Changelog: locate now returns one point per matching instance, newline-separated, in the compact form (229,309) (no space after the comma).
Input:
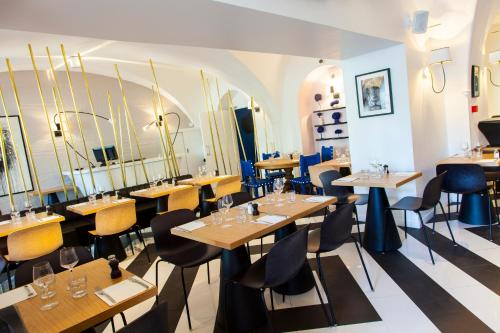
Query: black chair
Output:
(429,200)
(24,273)
(343,194)
(283,262)
(240,198)
(155,320)
(180,251)
(492,178)
(335,231)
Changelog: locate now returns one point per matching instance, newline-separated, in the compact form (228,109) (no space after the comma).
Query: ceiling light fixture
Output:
(420,21)
(494,60)
(439,56)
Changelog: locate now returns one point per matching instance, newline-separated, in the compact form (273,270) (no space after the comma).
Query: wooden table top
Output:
(86,208)
(486,160)
(317,169)
(6,227)
(159,191)
(76,315)
(202,181)
(51,190)
(277,163)
(231,234)
(392,180)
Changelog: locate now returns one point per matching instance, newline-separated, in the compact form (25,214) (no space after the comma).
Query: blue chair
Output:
(326,153)
(305,162)
(272,175)
(251,181)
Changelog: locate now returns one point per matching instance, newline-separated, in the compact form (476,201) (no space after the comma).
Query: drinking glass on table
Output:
(68,260)
(92,198)
(106,198)
(465,149)
(227,201)
(15,217)
(43,277)
(291,196)
(216,217)
(28,205)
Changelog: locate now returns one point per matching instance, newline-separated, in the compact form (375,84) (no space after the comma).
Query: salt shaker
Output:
(113,263)
(250,209)
(255,209)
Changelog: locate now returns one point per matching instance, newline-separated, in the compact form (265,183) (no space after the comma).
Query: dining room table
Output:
(285,164)
(381,233)
(159,193)
(334,164)
(105,298)
(236,228)
(8,226)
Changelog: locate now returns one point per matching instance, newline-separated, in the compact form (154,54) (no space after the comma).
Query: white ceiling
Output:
(199,23)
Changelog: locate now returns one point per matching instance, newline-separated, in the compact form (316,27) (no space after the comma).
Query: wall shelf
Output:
(331,109)
(335,138)
(331,124)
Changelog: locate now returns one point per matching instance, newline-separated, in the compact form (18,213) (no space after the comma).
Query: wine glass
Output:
(227,201)
(29,206)
(68,258)
(465,148)
(43,277)
(220,206)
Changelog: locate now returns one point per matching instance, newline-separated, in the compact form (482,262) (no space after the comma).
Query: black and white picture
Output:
(14,141)
(475,79)
(374,93)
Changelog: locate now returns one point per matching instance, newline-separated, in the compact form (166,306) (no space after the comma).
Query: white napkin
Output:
(123,290)
(79,204)
(46,218)
(143,190)
(121,200)
(404,173)
(318,199)
(270,219)
(188,227)
(346,179)
(17,295)
(486,160)
(5,222)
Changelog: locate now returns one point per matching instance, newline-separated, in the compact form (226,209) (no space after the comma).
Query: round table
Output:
(280,164)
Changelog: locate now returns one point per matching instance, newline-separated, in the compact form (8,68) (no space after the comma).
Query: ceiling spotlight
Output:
(419,22)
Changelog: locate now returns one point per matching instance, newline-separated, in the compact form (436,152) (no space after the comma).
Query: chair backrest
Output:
(240,198)
(161,225)
(186,176)
(306,161)
(266,156)
(184,199)
(247,171)
(326,153)
(336,227)
(24,273)
(155,320)
(432,191)
(341,192)
(286,258)
(492,173)
(227,186)
(462,178)
(114,220)
(34,242)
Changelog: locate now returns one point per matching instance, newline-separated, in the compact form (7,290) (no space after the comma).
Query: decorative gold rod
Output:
(44,107)
(63,131)
(265,129)
(14,145)
(255,136)
(237,125)
(233,135)
(78,120)
(97,127)
(216,128)
(121,141)
(130,144)
(132,126)
(70,134)
(115,135)
(209,120)
(224,132)
(164,114)
(25,132)
(6,168)
(166,159)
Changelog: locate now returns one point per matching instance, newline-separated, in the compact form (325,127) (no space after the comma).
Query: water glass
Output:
(216,217)
(44,277)
(291,196)
(106,198)
(78,286)
(92,198)
(15,217)
(31,215)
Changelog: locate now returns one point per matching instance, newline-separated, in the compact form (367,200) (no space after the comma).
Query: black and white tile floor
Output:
(458,294)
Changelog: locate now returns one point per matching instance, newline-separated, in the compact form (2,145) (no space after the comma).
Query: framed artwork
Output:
(374,93)
(474,80)
(17,140)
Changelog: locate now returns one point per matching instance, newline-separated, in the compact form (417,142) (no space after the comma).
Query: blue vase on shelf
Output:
(336,117)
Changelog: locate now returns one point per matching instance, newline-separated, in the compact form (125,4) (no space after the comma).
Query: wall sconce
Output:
(158,123)
(439,56)
(57,131)
(494,60)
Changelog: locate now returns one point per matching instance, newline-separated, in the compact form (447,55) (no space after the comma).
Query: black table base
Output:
(110,245)
(474,209)
(380,223)
(206,192)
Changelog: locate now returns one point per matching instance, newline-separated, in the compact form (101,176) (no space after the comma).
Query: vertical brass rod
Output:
(121,141)
(70,134)
(6,168)
(115,135)
(233,135)
(264,116)
(63,131)
(127,121)
(216,128)
(209,120)
(166,159)
(164,114)
(23,127)
(132,126)
(237,125)
(96,122)
(255,136)
(44,107)
(224,132)
(77,113)
(14,145)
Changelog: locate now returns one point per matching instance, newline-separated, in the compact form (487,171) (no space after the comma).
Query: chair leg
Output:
(449,206)
(124,320)
(208,272)
(323,306)
(156,279)
(458,202)
(185,297)
(406,228)
(272,298)
(426,238)
(323,282)
(447,224)
(357,224)
(139,235)
(489,217)
(113,325)
(9,280)
(434,221)
(267,311)
(261,246)
(363,263)
(130,242)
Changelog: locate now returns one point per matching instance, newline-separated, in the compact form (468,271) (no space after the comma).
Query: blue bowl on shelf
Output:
(336,117)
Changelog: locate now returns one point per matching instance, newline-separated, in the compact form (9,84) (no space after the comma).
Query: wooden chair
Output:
(185,199)
(224,187)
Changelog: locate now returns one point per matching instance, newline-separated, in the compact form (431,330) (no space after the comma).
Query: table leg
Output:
(111,245)
(380,223)
(474,209)
(206,192)
(245,311)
